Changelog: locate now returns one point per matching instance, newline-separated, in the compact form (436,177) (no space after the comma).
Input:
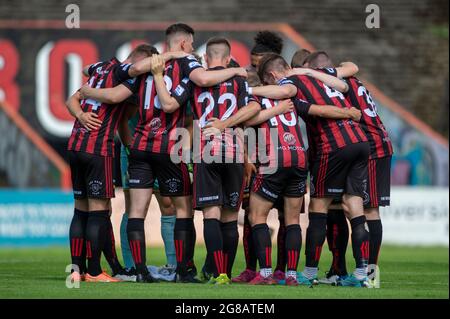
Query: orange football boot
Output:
(103,277)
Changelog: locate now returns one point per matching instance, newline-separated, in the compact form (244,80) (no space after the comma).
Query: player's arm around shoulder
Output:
(346,69)
(88,119)
(334,112)
(204,78)
(285,90)
(329,78)
(112,95)
(283,106)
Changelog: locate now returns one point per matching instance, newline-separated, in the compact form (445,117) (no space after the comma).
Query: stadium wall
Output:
(42,63)
(416,217)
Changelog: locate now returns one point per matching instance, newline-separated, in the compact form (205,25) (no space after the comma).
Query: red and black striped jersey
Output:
(287,144)
(156,130)
(327,135)
(105,74)
(359,97)
(220,101)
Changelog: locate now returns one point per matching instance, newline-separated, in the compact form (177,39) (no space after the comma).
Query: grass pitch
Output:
(406,272)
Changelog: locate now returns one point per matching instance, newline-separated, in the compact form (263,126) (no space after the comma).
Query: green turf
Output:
(405,273)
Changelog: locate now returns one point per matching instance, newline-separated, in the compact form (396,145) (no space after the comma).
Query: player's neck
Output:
(216,63)
(174,49)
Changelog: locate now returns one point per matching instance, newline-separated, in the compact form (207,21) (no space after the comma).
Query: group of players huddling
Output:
(183,140)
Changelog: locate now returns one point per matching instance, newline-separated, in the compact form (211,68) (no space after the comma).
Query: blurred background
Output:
(404,62)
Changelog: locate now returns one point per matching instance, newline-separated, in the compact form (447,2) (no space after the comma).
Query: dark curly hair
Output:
(267,42)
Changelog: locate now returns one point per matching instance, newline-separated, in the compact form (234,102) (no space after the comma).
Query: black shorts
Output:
(285,182)
(92,175)
(343,171)
(218,184)
(379,182)
(144,167)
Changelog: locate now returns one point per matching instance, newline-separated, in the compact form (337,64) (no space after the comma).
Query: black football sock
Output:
(281,244)
(360,243)
(136,240)
(191,247)
(77,236)
(182,238)
(375,238)
(209,264)
(214,244)
(293,247)
(249,247)
(337,238)
(315,237)
(263,247)
(230,237)
(109,250)
(95,239)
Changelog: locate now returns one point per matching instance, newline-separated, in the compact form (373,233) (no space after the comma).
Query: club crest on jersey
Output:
(155,124)
(95,187)
(289,138)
